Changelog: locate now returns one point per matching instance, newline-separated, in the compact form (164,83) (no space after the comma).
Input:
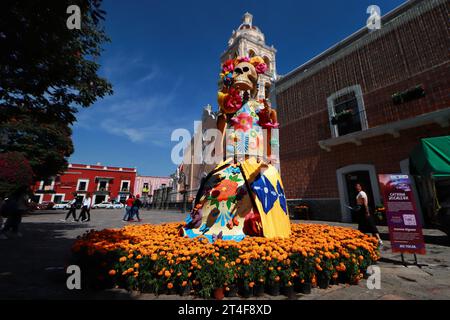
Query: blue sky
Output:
(163,62)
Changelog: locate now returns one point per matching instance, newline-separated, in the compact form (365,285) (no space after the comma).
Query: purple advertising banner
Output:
(405,230)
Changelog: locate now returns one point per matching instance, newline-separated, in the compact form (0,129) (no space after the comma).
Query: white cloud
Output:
(155,134)
(140,116)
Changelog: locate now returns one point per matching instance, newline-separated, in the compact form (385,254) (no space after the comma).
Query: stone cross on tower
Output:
(248,41)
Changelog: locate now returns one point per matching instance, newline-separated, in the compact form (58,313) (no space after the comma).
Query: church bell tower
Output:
(248,41)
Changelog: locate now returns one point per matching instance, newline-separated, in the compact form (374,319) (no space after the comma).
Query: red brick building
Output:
(359,108)
(104,183)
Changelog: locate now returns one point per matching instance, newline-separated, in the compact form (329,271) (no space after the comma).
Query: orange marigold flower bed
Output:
(153,258)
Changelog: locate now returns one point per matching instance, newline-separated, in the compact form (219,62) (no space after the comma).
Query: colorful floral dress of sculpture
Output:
(245,136)
(243,195)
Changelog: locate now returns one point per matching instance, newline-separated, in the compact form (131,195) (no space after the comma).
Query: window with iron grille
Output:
(347,112)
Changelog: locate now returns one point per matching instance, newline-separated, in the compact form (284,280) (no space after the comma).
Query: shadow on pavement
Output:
(33,266)
(439,240)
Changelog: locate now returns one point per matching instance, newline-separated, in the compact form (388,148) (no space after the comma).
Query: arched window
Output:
(267,61)
(251,53)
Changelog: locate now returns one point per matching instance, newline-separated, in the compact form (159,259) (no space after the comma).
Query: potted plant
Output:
(231,290)
(380,214)
(341,116)
(289,290)
(229,278)
(334,279)
(273,282)
(245,288)
(259,277)
(205,282)
(185,288)
(324,275)
(397,98)
(221,276)
(305,286)
(305,272)
(323,280)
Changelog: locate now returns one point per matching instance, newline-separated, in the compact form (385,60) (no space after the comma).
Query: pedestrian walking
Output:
(72,209)
(137,204)
(14,207)
(366,222)
(85,214)
(128,208)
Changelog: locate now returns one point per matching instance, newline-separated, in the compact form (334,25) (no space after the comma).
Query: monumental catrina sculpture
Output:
(243,195)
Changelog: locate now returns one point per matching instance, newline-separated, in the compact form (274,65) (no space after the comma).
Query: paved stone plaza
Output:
(32,267)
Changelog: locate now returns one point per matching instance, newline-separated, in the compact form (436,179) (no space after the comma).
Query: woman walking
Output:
(366,223)
(128,208)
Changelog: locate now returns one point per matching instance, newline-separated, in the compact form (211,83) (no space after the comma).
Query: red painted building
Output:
(104,183)
(361,107)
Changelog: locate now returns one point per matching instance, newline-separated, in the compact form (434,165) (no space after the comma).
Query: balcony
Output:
(45,189)
(103,191)
(440,118)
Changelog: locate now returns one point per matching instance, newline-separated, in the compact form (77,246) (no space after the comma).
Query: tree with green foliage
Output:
(46,72)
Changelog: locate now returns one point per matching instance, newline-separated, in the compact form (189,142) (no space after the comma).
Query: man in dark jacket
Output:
(137,204)
(13,208)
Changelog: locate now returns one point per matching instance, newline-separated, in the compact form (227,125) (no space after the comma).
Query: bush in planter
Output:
(245,278)
(259,272)
(231,290)
(305,266)
(288,290)
(212,275)
(273,278)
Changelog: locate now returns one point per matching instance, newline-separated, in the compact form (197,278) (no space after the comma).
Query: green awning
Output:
(432,158)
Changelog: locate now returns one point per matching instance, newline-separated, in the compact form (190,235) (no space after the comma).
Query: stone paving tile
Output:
(32,267)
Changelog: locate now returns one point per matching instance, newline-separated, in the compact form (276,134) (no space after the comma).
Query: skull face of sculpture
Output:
(245,77)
